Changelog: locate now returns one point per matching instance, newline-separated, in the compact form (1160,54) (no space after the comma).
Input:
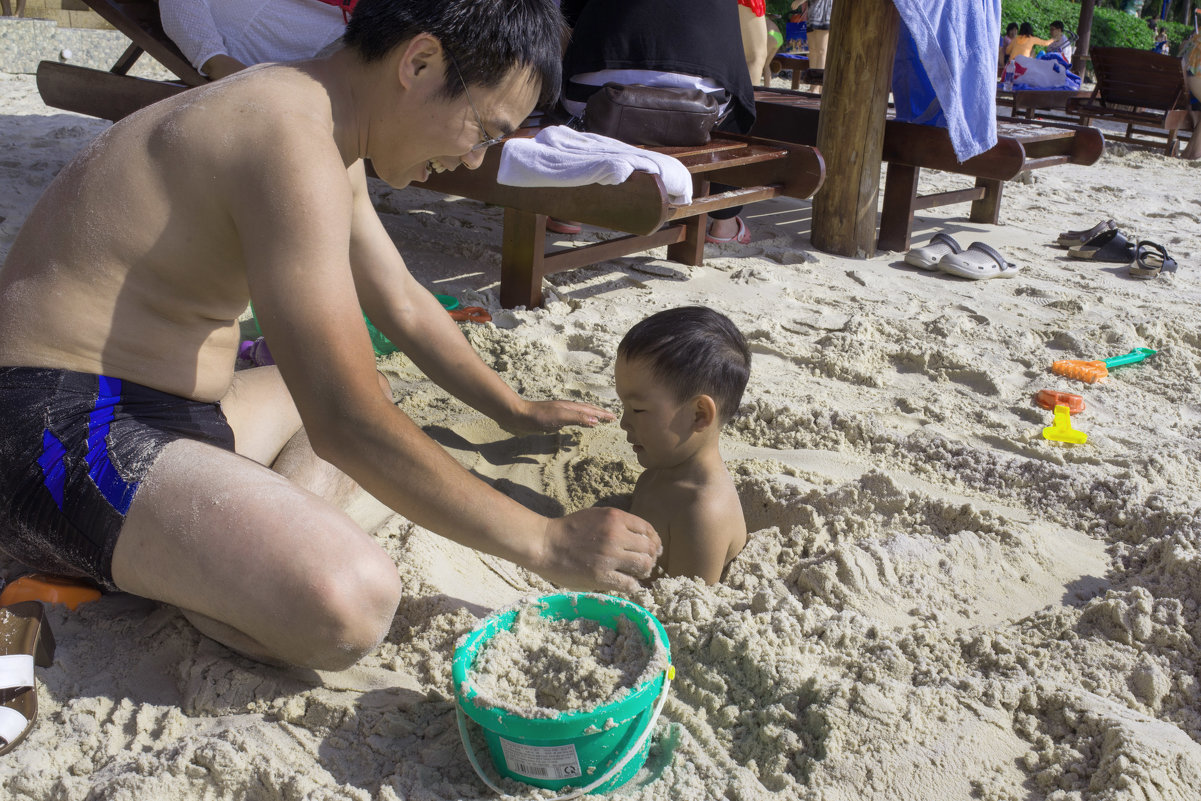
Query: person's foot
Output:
(729,230)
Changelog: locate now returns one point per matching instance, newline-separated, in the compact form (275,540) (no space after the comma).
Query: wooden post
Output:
(1084,30)
(850,135)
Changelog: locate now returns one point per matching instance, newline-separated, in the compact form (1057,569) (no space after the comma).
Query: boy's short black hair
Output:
(1056,25)
(695,351)
(1013,26)
(486,38)
(1026,30)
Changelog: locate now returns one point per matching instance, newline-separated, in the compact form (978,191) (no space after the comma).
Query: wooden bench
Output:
(799,66)
(1048,104)
(639,207)
(1142,89)
(114,94)
(908,148)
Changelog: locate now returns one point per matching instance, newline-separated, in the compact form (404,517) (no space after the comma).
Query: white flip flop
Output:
(979,261)
(928,256)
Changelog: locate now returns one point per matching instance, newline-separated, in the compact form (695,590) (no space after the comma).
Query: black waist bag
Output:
(652,115)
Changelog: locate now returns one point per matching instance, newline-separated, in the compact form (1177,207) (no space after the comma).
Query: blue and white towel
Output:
(945,72)
(561,156)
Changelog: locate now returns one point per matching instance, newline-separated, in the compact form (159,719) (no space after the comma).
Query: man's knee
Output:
(353,610)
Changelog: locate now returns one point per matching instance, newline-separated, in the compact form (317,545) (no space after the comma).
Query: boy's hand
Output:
(599,548)
(536,416)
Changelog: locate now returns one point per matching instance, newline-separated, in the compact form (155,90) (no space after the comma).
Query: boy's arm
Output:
(409,315)
(700,535)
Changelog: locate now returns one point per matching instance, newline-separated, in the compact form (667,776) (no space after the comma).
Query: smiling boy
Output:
(680,375)
(133,454)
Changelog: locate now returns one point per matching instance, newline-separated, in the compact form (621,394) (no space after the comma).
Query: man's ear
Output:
(422,57)
(704,412)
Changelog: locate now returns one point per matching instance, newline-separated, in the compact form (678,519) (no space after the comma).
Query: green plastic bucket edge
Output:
(610,741)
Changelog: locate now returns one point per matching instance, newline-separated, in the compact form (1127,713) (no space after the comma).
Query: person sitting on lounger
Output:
(1023,44)
(221,37)
(134,455)
(680,377)
(1061,42)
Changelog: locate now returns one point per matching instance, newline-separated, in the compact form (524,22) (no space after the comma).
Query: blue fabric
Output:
(1071,81)
(945,72)
(115,489)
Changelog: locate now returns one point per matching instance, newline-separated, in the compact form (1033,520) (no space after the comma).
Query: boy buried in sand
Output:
(680,376)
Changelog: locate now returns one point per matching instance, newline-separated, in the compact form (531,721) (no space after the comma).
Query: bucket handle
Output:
(609,774)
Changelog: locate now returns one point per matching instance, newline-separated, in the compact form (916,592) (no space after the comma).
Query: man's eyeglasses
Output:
(488,141)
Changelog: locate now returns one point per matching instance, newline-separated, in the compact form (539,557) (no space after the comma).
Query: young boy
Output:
(680,376)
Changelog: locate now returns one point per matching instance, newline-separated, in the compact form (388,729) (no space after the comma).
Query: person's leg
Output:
(1193,149)
(774,42)
(255,560)
(754,41)
(6,8)
(817,52)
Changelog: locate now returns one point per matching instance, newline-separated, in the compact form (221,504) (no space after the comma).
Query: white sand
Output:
(934,602)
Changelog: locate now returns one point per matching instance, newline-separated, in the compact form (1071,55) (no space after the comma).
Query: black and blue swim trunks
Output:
(74,447)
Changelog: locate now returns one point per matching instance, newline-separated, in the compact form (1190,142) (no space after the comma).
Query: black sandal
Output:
(1150,259)
(1110,246)
(1073,238)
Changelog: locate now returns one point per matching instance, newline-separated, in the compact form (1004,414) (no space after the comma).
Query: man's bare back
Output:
(137,262)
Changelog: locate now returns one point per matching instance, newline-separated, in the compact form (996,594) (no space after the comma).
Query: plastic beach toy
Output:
(1061,430)
(1049,399)
(582,751)
(47,588)
(1093,371)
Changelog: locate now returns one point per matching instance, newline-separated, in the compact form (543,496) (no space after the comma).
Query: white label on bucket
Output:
(541,762)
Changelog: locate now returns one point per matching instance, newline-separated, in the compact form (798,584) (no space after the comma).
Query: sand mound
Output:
(935,602)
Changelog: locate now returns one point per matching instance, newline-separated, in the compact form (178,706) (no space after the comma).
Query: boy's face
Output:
(657,424)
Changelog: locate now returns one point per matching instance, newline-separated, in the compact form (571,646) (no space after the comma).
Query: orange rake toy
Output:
(1093,371)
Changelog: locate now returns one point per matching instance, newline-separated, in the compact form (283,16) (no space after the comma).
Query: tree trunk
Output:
(850,134)
(1084,30)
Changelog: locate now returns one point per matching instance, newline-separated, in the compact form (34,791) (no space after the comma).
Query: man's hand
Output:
(539,416)
(599,548)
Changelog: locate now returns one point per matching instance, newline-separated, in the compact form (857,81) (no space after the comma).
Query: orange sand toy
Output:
(49,589)
(1089,372)
(1049,399)
(1094,371)
(1061,430)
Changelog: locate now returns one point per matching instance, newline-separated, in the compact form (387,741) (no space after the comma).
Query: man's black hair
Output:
(486,38)
(694,351)
(1013,26)
(1026,30)
(1056,24)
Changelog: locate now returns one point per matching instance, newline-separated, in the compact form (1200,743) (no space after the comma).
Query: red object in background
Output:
(1049,399)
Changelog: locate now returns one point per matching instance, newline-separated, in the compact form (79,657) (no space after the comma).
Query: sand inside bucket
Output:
(542,667)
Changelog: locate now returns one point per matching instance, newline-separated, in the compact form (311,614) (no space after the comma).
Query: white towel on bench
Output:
(560,156)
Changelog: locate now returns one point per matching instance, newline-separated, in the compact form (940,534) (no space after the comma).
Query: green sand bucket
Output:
(586,751)
(383,346)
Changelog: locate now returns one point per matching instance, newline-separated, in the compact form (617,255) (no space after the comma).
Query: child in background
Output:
(680,375)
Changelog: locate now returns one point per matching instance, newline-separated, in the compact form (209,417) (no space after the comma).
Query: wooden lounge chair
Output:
(908,148)
(113,94)
(1143,89)
(639,207)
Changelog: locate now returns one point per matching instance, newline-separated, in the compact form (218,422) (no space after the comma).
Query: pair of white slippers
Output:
(977,261)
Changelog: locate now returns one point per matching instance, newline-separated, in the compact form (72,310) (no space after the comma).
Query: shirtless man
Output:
(134,454)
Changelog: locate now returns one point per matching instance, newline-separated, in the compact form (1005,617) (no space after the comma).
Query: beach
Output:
(935,602)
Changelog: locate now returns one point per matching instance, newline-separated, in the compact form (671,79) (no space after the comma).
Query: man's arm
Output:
(289,197)
(409,315)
